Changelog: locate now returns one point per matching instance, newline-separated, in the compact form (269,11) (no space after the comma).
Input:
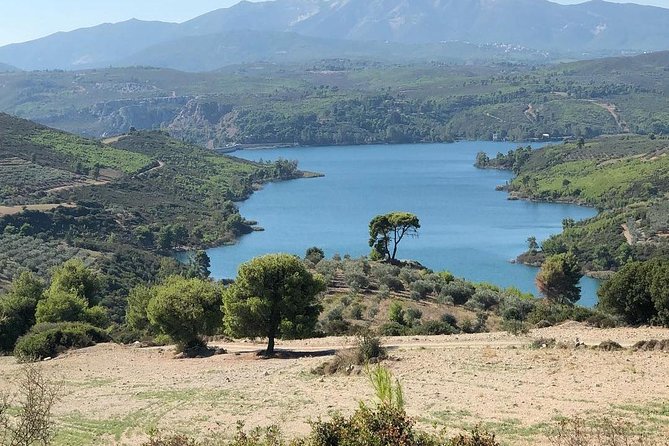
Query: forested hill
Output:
(122,205)
(626,177)
(345,102)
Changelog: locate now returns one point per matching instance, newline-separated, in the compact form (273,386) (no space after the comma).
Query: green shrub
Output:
(47,340)
(458,290)
(393,329)
(396,313)
(449,319)
(356,311)
(515,327)
(478,325)
(484,299)
(422,288)
(413,315)
(433,328)
(314,255)
(369,347)
(516,308)
(476,438)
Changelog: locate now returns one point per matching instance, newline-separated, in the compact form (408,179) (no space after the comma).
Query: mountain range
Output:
(296,30)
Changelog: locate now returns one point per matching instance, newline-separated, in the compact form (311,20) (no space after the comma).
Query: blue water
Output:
(468,228)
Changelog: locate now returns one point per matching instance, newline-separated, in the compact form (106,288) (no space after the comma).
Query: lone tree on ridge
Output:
(387,231)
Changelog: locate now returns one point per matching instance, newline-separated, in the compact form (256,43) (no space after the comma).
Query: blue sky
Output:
(22,20)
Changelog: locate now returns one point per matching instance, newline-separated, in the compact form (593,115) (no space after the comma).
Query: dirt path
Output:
(113,139)
(77,185)
(613,110)
(153,169)
(628,235)
(493,117)
(531,113)
(12,210)
(112,394)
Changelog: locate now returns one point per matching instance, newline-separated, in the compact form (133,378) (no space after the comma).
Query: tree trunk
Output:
(270,346)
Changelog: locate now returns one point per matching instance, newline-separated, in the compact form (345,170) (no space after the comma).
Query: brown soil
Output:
(113,394)
(12,210)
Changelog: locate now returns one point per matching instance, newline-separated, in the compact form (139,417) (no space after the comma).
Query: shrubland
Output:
(123,208)
(351,102)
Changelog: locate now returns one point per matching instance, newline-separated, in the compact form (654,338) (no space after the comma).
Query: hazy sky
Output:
(22,20)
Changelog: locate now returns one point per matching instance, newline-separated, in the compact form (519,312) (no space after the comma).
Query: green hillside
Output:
(348,102)
(626,177)
(123,206)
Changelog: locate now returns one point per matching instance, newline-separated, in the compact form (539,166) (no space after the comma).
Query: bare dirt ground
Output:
(115,394)
(11,210)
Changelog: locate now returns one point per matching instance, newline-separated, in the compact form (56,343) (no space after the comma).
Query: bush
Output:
(396,313)
(387,275)
(17,309)
(515,327)
(47,340)
(484,299)
(550,312)
(478,325)
(458,290)
(422,288)
(516,308)
(138,301)
(393,329)
(314,255)
(433,328)
(369,347)
(638,293)
(356,274)
(32,422)
(356,311)
(449,319)
(335,327)
(413,315)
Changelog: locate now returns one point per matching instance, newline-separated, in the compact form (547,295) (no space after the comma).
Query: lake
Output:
(468,228)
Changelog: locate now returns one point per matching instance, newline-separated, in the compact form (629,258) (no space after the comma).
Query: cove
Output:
(468,228)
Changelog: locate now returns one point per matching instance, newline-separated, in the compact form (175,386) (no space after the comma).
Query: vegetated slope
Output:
(214,51)
(627,177)
(4,68)
(125,205)
(345,102)
(36,160)
(99,46)
(589,28)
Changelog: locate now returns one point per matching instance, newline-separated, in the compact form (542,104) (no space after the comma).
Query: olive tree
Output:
(186,310)
(387,231)
(273,296)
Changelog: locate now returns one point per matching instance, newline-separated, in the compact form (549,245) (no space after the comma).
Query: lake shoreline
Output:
(468,228)
(533,260)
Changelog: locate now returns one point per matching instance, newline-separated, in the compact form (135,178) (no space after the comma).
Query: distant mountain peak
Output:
(593,27)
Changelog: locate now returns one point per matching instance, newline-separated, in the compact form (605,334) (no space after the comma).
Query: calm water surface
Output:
(468,228)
